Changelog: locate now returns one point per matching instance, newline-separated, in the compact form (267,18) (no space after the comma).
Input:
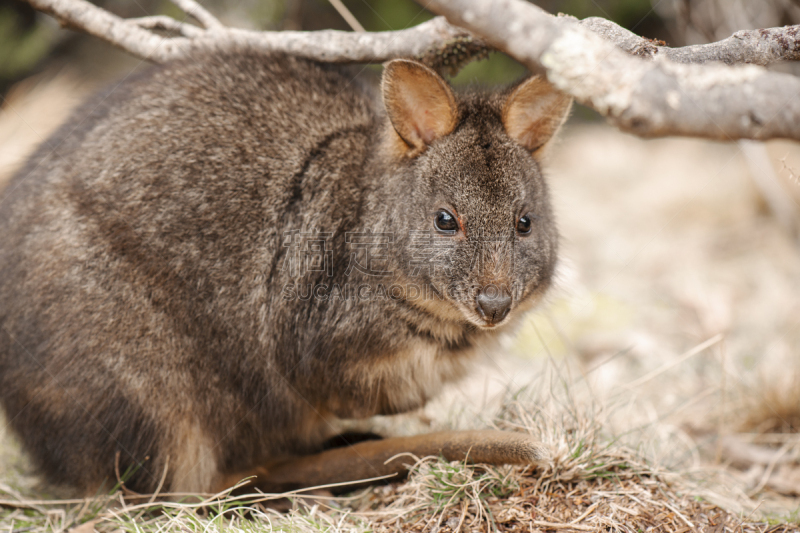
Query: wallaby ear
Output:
(420,104)
(534,112)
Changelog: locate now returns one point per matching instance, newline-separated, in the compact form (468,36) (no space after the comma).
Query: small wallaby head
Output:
(470,167)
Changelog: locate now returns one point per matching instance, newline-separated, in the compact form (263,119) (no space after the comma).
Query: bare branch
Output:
(348,47)
(757,47)
(82,15)
(760,47)
(648,98)
(327,45)
(199,13)
(661,92)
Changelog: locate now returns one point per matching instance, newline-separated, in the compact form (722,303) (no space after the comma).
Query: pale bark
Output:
(326,45)
(647,97)
(756,47)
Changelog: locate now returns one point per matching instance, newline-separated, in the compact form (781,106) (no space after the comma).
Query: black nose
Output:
(493,304)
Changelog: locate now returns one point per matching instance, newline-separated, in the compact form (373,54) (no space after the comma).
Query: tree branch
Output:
(760,47)
(648,98)
(757,47)
(639,85)
(127,35)
(199,13)
(327,45)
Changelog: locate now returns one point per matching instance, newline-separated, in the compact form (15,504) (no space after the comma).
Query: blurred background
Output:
(668,245)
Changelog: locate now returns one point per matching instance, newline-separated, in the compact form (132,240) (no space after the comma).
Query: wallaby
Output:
(210,263)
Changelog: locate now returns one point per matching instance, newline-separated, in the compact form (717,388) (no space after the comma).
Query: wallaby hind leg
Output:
(349,438)
(370,459)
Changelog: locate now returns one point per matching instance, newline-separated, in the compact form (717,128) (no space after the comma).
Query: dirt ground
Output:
(676,319)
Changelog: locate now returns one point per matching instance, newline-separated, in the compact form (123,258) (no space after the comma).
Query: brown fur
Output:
(149,306)
(420,105)
(534,112)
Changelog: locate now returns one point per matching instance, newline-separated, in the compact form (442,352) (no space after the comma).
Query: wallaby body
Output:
(161,259)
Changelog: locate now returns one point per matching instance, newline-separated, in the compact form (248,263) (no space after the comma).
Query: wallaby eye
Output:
(524,225)
(445,222)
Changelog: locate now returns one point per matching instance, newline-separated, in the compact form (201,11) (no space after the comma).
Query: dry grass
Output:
(774,404)
(595,483)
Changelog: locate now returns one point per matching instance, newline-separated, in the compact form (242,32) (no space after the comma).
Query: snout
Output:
(493,304)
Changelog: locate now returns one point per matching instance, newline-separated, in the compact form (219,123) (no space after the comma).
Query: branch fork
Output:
(717,91)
